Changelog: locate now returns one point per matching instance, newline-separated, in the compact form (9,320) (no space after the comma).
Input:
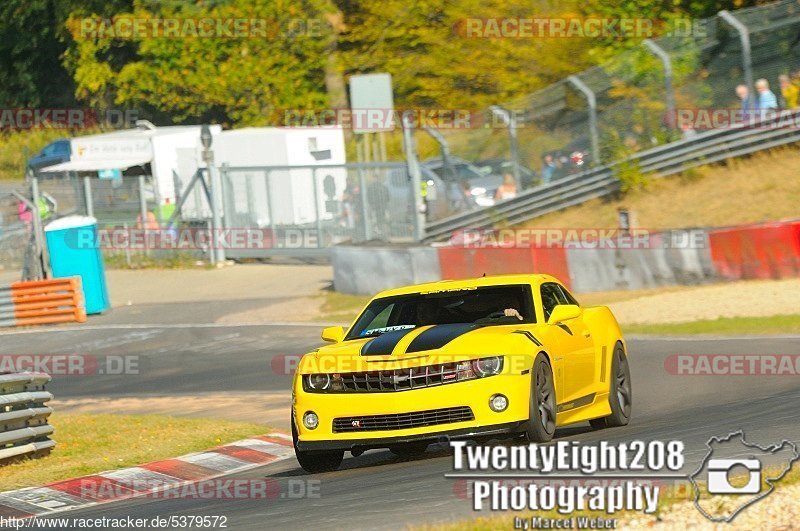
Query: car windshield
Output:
(493,305)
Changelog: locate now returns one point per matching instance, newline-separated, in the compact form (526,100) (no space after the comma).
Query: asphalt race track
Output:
(377,490)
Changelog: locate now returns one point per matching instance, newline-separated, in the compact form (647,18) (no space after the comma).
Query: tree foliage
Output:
(310,49)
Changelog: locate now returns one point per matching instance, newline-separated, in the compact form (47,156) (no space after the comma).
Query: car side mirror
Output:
(333,334)
(564,312)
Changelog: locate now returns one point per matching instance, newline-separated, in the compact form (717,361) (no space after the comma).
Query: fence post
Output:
(444,148)
(38,237)
(669,94)
(87,196)
(592,103)
(316,208)
(270,207)
(228,208)
(744,37)
(362,184)
(510,120)
(215,184)
(143,213)
(415,173)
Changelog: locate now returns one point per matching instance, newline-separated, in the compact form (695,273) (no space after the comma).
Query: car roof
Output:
(447,285)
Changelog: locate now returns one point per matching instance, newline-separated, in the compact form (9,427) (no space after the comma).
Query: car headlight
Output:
(488,366)
(318,382)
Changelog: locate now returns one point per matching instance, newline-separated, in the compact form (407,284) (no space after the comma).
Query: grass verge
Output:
(155,260)
(774,324)
(340,307)
(87,444)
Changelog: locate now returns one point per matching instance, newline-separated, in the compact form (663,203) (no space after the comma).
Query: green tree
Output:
(33,39)
(190,79)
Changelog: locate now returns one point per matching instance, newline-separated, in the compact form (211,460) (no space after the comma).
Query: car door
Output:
(575,348)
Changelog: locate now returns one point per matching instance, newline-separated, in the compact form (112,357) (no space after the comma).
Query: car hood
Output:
(428,344)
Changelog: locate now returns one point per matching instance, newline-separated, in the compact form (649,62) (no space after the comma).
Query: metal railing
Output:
(24,428)
(705,148)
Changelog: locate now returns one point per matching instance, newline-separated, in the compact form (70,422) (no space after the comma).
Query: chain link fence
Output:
(634,98)
(309,208)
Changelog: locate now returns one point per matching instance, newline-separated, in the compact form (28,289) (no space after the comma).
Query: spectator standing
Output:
(351,203)
(766,98)
(789,91)
(548,169)
(507,190)
(743,93)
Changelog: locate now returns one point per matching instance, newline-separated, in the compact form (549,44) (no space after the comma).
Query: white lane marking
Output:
(704,337)
(319,324)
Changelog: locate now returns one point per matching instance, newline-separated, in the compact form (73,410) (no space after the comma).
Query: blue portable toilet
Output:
(74,250)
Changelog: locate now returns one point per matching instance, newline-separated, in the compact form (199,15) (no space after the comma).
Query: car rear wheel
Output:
(541,423)
(316,461)
(620,396)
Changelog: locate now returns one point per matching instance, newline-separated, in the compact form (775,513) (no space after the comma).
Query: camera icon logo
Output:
(734,475)
(719,476)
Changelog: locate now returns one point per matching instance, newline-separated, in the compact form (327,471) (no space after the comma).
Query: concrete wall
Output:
(662,263)
(682,257)
(366,270)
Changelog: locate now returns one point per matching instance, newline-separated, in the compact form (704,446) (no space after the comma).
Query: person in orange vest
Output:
(152,222)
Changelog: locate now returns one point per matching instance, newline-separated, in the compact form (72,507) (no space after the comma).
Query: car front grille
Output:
(394,379)
(402,421)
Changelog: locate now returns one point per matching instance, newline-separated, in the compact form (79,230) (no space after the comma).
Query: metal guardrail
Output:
(705,148)
(23,415)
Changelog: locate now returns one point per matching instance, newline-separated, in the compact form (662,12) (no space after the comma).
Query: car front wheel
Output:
(541,423)
(316,461)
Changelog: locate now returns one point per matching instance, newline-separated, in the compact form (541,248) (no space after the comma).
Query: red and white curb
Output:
(151,478)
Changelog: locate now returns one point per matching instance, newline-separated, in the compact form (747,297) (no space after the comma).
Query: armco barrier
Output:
(58,300)
(769,250)
(366,270)
(24,430)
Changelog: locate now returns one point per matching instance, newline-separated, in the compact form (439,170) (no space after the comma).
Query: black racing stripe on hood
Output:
(384,344)
(438,336)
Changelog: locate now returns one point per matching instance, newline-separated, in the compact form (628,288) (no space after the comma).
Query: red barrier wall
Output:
(770,250)
(464,262)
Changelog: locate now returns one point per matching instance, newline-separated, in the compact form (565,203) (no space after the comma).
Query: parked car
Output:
(482,185)
(503,166)
(53,153)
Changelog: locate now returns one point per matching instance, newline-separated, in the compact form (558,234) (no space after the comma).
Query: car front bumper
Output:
(485,432)
(474,394)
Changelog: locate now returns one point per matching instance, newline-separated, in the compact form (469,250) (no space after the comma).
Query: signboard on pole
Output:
(372,103)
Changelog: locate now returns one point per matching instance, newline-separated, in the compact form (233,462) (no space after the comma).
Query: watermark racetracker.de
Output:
(732,364)
(71,364)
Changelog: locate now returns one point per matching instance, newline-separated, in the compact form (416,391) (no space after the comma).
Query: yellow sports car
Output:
(492,357)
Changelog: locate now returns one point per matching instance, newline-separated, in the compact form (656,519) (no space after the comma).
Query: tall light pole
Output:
(215,187)
(510,119)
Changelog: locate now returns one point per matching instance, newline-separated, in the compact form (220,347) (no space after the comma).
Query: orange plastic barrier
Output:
(58,300)
(769,250)
(465,262)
